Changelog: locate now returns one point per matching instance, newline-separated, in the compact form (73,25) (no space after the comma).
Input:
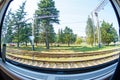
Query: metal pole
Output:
(94,28)
(4,53)
(33,35)
(98,29)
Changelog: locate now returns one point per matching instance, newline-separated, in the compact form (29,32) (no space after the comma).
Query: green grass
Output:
(65,48)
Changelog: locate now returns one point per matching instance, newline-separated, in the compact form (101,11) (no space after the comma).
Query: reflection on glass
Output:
(1,3)
(54,34)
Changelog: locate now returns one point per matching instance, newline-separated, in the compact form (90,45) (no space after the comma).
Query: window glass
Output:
(61,33)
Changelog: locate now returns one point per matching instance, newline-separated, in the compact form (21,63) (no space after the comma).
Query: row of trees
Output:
(66,36)
(17,30)
(108,33)
(44,28)
(14,28)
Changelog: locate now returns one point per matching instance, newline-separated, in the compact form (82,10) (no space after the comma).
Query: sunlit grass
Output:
(65,48)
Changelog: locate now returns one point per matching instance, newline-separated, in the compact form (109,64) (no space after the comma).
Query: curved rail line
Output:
(64,64)
(58,55)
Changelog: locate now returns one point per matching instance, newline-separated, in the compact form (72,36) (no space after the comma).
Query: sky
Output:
(73,13)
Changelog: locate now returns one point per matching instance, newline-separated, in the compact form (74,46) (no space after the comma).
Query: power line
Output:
(100,6)
(47,8)
(46,16)
(73,22)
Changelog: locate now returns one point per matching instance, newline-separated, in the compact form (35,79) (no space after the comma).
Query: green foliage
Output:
(78,40)
(51,35)
(7,30)
(73,38)
(60,37)
(90,40)
(25,32)
(115,36)
(17,30)
(47,8)
(108,33)
(69,37)
(64,49)
(90,31)
(37,31)
(19,24)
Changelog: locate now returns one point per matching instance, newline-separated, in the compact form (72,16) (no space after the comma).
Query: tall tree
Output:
(115,35)
(52,34)
(90,31)
(25,32)
(7,30)
(19,16)
(73,38)
(78,40)
(48,14)
(37,31)
(68,35)
(108,33)
(60,37)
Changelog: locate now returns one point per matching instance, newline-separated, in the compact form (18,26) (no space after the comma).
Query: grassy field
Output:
(14,53)
(65,48)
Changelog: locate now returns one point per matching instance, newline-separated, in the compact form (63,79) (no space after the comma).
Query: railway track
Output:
(77,60)
(59,55)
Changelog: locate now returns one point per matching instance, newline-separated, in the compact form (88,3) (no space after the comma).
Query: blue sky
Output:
(73,13)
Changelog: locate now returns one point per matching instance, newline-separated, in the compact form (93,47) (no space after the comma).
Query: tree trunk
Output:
(68,44)
(36,43)
(18,38)
(47,41)
(26,43)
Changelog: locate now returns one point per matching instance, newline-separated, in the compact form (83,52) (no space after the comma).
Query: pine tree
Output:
(19,16)
(47,8)
(90,31)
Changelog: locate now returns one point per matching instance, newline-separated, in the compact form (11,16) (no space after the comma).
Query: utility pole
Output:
(31,37)
(33,29)
(98,29)
(94,29)
(33,34)
(102,4)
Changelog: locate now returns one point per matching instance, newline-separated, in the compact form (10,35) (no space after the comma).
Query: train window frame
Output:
(116,7)
(11,0)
